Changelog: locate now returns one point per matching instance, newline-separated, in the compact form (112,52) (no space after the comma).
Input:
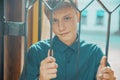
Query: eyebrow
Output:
(67,15)
(64,16)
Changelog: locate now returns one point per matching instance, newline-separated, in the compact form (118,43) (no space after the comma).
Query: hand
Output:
(48,68)
(105,73)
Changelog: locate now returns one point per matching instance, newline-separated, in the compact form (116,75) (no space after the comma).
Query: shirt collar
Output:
(74,46)
(59,45)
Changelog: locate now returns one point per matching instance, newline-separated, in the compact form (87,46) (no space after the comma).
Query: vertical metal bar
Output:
(108,28)
(1,40)
(103,5)
(27,6)
(26,28)
(25,33)
(119,22)
(40,20)
(108,36)
(1,58)
(79,32)
(51,40)
(51,20)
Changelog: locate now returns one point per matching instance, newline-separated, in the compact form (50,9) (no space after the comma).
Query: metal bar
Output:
(27,8)
(108,37)
(51,40)
(28,5)
(116,8)
(119,23)
(47,5)
(79,32)
(51,21)
(1,40)
(1,51)
(87,5)
(25,32)
(1,58)
(84,7)
(26,27)
(103,5)
(40,20)
(108,28)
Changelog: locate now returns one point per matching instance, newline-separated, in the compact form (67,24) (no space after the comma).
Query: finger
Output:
(100,76)
(52,65)
(107,76)
(51,76)
(50,53)
(106,73)
(52,71)
(107,70)
(48,60)
(103,62)
(104,76)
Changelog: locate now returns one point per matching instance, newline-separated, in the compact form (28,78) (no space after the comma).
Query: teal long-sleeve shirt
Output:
(71,64)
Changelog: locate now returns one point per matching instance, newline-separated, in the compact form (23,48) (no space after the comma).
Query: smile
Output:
(63,34)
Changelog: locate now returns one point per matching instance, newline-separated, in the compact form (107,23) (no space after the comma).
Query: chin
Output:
(64,39)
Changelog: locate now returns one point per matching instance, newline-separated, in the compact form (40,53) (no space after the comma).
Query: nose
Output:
(61,26)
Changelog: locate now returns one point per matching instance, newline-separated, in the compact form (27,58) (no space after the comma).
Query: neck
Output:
(71,41)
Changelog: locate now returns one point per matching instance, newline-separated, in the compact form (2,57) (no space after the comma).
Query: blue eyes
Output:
(65,19)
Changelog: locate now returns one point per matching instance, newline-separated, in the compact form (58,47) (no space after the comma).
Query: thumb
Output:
(102,62)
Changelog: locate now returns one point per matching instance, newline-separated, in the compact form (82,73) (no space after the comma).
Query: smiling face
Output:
(65,24)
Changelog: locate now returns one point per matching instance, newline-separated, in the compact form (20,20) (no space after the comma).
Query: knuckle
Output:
(55,70)
(55,75)
(55,65)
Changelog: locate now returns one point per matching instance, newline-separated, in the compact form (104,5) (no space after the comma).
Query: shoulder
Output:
(91,49)
(38,50)
(40,45)
(89,46)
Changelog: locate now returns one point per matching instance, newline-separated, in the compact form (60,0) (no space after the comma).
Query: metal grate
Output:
(106,4)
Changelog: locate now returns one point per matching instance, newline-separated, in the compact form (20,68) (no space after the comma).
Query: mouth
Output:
(64,34)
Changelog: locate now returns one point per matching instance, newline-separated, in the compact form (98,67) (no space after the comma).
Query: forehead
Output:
(64,11)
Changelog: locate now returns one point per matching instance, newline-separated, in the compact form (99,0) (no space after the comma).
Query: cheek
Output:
(73,25)
(55,29)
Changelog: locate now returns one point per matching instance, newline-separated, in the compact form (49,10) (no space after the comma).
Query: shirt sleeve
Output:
(31,65)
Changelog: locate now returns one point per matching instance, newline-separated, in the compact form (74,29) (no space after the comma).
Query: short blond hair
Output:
(58,5)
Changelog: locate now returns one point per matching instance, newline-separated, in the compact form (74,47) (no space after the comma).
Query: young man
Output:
(66,63)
